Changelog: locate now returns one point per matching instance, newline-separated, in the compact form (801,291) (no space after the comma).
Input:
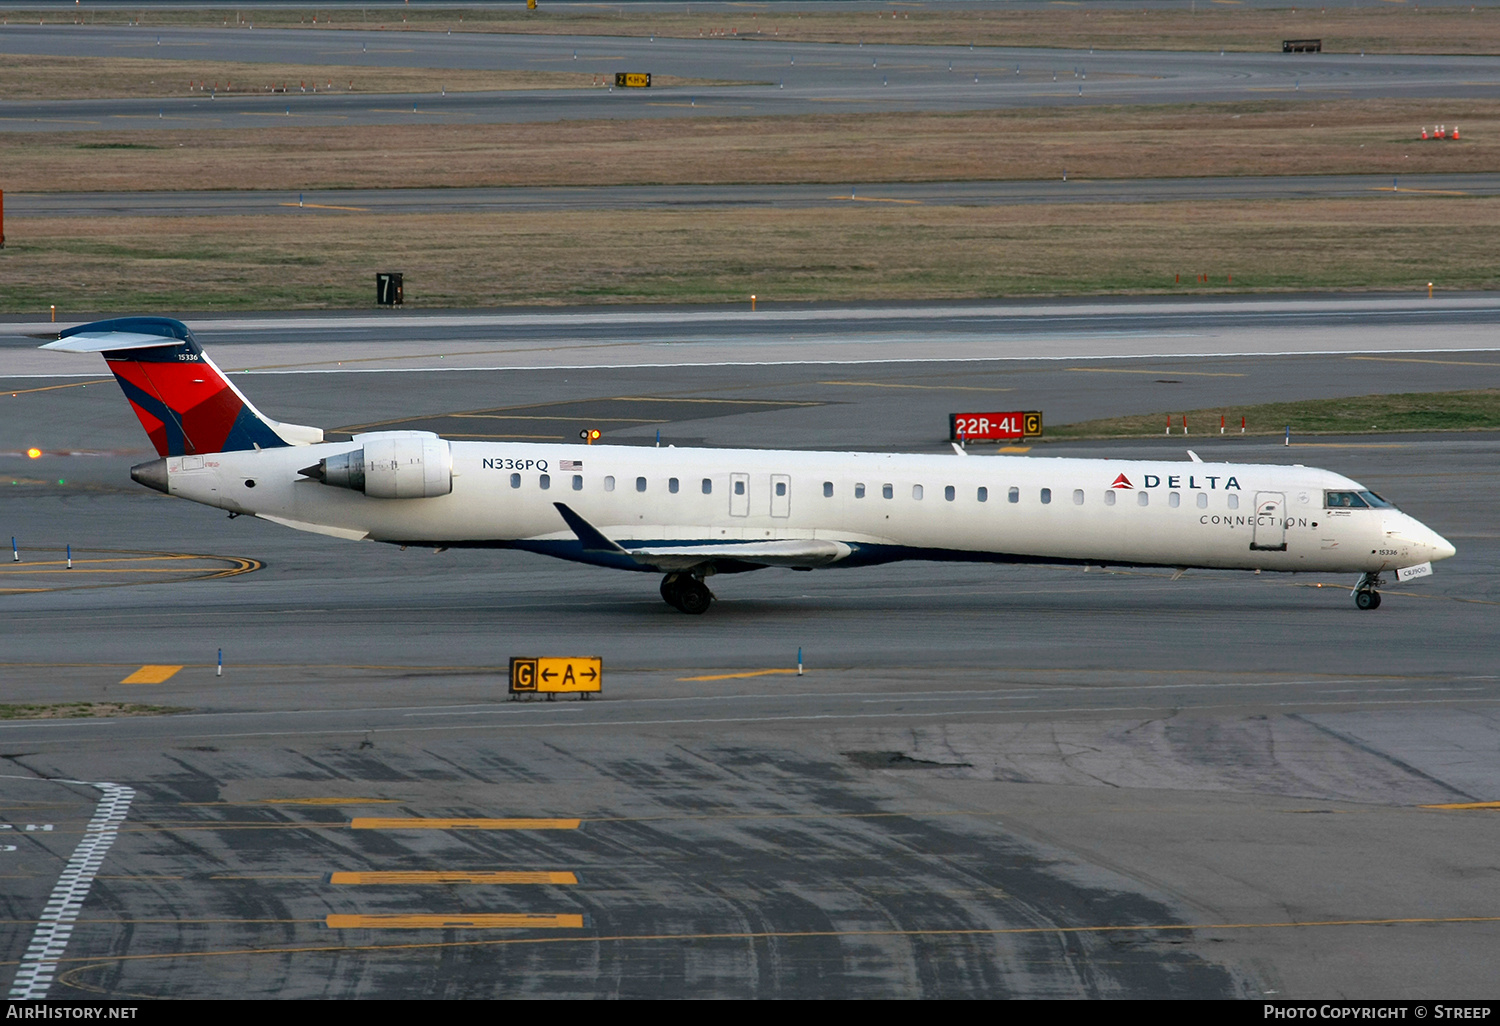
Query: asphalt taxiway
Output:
(989,781)
(762,77)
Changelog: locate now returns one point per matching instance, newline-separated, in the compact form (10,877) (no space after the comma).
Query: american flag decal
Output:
(570,464)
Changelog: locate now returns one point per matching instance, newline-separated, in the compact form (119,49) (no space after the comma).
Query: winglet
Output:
(593,539)
(1195,457)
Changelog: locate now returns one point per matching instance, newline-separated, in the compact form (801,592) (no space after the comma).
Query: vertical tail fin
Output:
(183,400)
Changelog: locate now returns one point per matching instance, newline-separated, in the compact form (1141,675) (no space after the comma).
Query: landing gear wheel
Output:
(669,588)
(1367,599)
(686,593)
(693,597)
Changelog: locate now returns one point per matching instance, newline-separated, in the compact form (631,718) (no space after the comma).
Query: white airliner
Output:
(690,514)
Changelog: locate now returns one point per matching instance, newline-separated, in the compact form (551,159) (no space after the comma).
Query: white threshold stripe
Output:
(39,963)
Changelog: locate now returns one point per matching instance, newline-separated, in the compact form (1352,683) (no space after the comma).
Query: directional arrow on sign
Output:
(548,674)
(591,674)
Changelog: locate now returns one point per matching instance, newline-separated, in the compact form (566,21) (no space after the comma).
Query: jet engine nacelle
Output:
(391,465)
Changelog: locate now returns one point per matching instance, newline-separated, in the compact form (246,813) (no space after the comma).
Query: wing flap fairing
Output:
(793,552)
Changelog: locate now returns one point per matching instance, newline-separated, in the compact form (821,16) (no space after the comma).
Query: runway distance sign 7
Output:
(555,675)
(994,427)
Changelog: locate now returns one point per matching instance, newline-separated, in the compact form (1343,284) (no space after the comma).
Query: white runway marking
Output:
(34,976)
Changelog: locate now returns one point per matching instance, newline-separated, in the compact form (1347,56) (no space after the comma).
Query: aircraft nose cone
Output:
(1442,548)
(152,475)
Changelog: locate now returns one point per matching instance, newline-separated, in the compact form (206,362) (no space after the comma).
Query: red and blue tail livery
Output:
(183,400)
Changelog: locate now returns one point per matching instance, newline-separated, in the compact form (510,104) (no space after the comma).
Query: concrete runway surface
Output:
(991,781)
(786,334)
(764,77)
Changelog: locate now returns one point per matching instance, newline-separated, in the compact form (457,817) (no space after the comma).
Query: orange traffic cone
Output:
(1455,131)
(1424,131)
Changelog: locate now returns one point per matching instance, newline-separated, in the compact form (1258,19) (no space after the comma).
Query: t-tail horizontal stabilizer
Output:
(185,403)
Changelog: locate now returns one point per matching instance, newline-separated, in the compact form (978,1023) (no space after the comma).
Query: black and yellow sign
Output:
(1031,424)
(632,80)
(552,675)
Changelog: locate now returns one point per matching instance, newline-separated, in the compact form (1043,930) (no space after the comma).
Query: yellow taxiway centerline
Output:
(1183,374)
(343,950)
(416,823)
(736,676)
(454,877)
(925,388)
(493,921)
(1400,359)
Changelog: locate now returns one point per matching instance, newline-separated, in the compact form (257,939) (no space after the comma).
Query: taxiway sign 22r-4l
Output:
(689,513)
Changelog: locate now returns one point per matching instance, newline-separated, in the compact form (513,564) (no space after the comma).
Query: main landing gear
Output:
(1365,595)
(686,593)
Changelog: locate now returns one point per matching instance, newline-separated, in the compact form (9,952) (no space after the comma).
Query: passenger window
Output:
(859,491)
(1078,496)
(1203,500)
(887,491)
(640,484)
(515,480)
(1046,496)
(984,495)
(827,489)
(916,491)
(672,485)
(780,488)
(739,488)
(609,483)
(1109,498)
(1142,498)
(708,486)
(1234,500)
(545,481)
(1346,500)
(578,482)
(1174,500)
(949,493)
(1014,495)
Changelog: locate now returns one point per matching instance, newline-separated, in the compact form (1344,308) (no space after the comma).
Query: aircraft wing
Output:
(783,552)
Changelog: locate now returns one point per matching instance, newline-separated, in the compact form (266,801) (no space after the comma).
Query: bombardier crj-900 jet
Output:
(690,514)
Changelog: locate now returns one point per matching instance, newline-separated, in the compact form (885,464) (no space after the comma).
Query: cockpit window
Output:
(1377,501)
(1346,500)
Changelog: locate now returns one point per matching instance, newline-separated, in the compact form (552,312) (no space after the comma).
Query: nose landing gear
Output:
(1365,595)
(686,593)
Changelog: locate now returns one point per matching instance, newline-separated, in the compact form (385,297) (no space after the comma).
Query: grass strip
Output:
(1373,29)
(84,710)
(1272,137)
(305,259)
(1477,410)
